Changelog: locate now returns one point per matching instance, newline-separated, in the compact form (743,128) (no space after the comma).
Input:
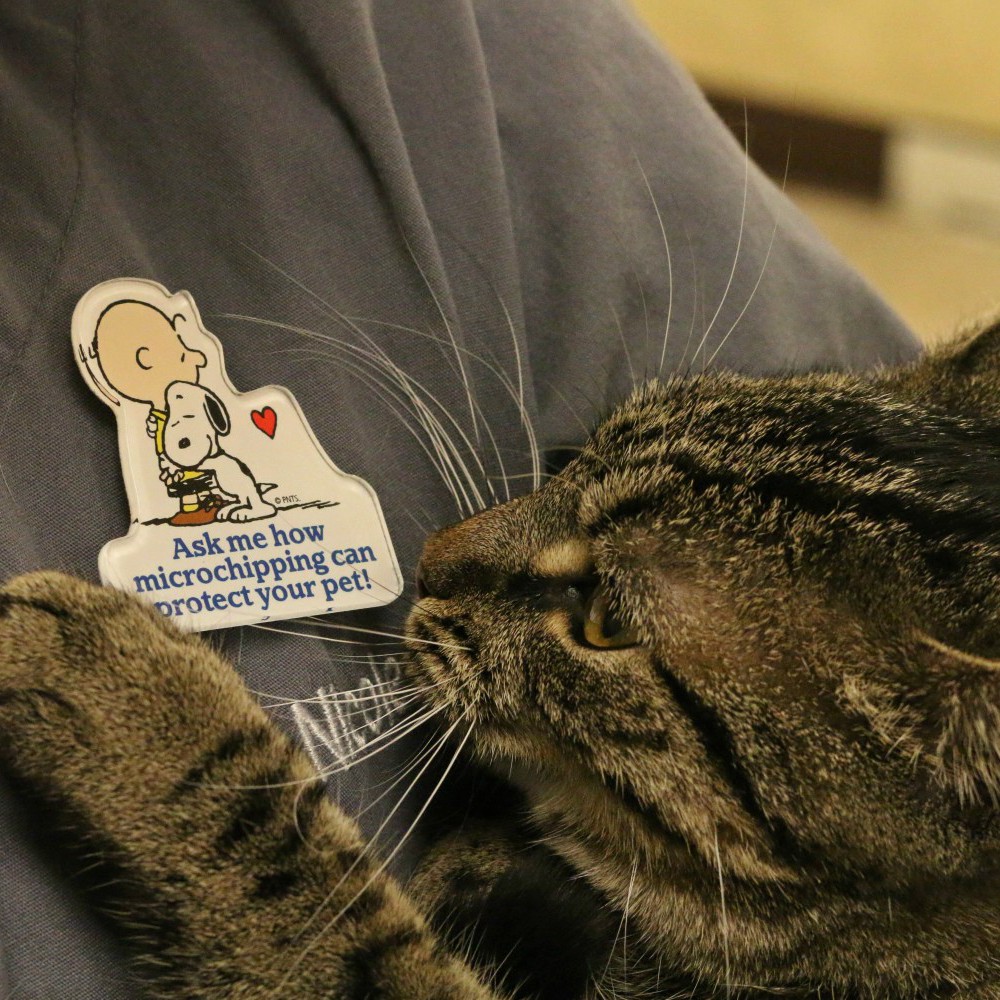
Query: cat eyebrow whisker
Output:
(447,327)
(529,428)
(670,267)
(516,394)
(621,337)
(555,390)
(387,391)
(739,241)
(426,527)
(750,297)
(697,300)
(521,475)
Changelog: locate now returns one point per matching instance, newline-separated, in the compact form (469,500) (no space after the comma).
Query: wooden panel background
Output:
(872,60)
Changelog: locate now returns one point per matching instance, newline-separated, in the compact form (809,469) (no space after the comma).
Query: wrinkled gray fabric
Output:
(499,172)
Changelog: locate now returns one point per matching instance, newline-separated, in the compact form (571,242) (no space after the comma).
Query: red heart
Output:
(265,420)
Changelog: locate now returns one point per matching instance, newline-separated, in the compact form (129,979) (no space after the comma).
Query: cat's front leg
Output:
(220,857)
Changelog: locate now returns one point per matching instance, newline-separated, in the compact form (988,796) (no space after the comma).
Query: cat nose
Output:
(460,559)
(434,580)
(443,578)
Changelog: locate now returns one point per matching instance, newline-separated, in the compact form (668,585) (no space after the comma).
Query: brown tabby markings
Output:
(788,783)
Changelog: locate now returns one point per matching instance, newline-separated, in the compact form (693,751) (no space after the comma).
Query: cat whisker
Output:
(432,711)
(438,744)
(399,639)
(398,731)
(621,934)
(724,919)
(388,860)
(402,638)
(382,742)
(329,623)
(392,706)
(374,658)
(404,772)
(319,638)
(346,695)
(355,734)
(625,913)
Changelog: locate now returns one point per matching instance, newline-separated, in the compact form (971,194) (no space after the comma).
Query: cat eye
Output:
(602,628)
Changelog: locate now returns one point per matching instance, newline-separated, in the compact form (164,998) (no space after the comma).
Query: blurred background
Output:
(885,115)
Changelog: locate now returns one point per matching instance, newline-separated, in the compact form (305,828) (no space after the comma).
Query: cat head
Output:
(742,656)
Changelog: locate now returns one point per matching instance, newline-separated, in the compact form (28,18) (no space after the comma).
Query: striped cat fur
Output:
(729,684)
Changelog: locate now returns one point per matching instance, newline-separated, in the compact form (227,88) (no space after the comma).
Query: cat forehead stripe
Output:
(571,557)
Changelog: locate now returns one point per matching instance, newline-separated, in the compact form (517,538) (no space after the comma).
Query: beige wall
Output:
(881,60)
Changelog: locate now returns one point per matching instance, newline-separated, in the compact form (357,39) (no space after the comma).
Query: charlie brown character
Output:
(140,353)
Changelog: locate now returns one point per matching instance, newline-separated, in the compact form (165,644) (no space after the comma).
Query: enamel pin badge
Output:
(238,514)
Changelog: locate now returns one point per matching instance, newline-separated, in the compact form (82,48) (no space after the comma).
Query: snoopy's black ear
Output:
(217,412)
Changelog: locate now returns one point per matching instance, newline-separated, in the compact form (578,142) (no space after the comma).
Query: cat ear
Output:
(962,375)
(975,351)
(961,709)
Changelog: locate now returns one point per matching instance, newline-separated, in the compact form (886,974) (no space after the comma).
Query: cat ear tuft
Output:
(962,702)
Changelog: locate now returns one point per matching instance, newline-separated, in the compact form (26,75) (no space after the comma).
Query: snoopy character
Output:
(196,419)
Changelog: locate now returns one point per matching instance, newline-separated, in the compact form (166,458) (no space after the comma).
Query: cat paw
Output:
(95,687)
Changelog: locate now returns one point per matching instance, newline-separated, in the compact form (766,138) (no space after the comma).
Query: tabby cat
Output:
(737,660)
